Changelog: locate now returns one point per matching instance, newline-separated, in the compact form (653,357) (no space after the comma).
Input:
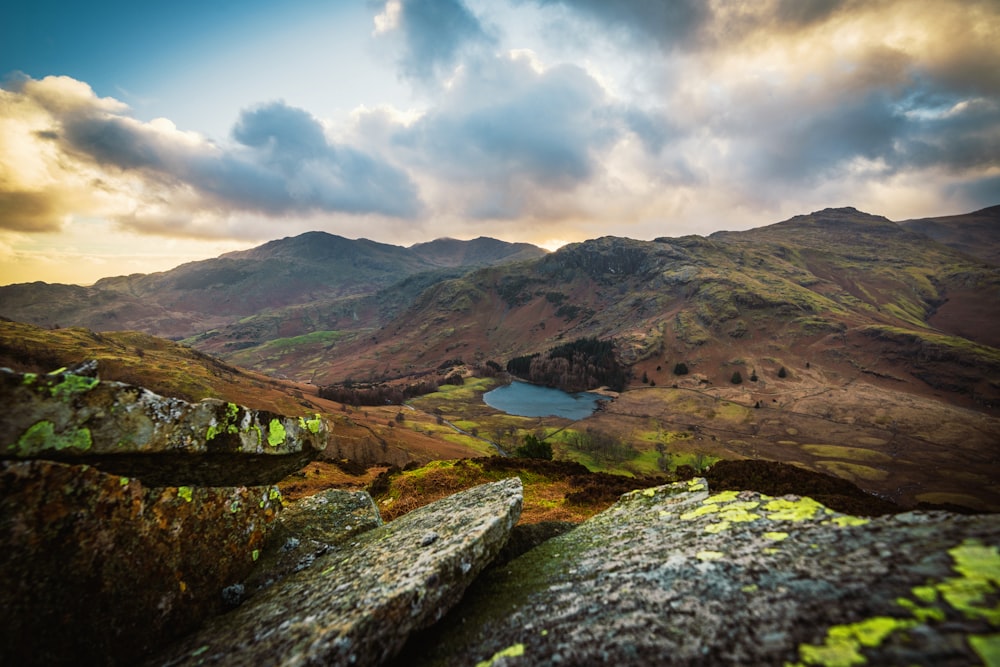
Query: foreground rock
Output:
(358,604)
(675,575)
(100,569)
(127,430)
(306,530)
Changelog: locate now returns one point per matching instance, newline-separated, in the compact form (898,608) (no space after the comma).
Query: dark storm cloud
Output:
(435,34)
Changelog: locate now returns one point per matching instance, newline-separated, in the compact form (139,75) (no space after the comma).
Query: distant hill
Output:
(314,268)
(855,289)
(976,234)
(481,251)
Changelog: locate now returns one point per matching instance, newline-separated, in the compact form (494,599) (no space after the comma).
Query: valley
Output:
(838,341)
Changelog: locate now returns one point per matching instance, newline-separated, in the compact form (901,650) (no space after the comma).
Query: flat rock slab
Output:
(308,529)
(358,604)
(128,430)
(676,576)
(99,569)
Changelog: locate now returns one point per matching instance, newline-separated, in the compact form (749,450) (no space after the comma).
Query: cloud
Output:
(67,152)
(668,24)
(434,33)
(507,134)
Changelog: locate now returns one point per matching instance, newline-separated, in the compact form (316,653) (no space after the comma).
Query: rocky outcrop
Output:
(676,575)
(357,604)
(124,516)
(127,430)
(100,569)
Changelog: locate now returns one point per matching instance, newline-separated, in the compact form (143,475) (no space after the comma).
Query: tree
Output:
(533,448)
(782,373)
(753,375)
(737,378)
(680,368)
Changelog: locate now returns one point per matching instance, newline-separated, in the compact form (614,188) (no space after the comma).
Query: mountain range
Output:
(875,344)
(325,308)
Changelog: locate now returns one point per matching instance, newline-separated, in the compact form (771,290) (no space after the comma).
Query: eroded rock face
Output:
(127,430)
(100,569)
(357,604)
(675,575)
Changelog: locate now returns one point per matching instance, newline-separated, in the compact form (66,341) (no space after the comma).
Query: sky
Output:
(135,136)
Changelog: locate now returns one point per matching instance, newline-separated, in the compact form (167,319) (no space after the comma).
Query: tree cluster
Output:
(583,364)
(379,394)
(533,448)
(602,446)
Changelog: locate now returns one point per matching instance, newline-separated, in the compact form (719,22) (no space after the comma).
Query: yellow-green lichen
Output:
(42,435)
(979,567)
(275,433)
(843,643)
(926,594)
(803,509)
(847,520)
(922,614)
(987,647)
(185,492)
(722,497)
(274,493)
(123,481)
(515,651)
(311,425)
(709,555)
(255,555)
(776,536)
(701,511)
(72,385)
(696,484)
(971,593)
(228,423)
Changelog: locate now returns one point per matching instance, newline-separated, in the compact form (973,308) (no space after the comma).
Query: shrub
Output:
(533,448)
(737,378)
(680,368)
(782,373)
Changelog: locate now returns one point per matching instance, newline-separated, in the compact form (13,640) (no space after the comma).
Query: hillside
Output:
(847,288)
(976,234)
(304,281)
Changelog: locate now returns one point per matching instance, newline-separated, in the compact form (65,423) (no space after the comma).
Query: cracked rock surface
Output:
(358,603)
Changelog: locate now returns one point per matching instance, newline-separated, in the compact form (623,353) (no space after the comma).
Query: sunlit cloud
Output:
(66,151)
(548,121)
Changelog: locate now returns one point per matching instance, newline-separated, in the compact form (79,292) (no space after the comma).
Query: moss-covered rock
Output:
(679,575)
(99,569)
(127,430)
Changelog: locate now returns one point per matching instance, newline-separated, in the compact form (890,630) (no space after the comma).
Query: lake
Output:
(531,400)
